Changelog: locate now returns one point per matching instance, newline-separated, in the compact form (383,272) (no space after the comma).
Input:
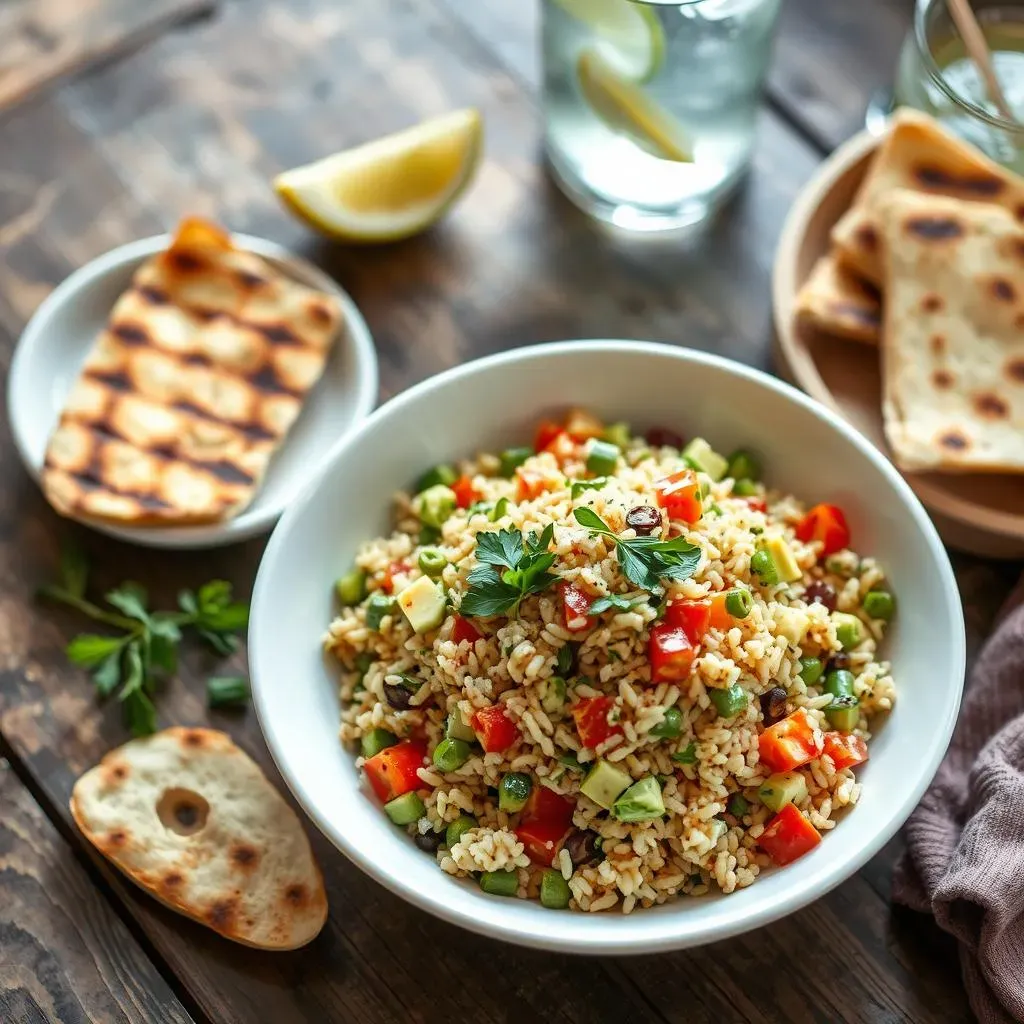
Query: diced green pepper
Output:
(405,809)
(377,740)
(729,701)
(554,890)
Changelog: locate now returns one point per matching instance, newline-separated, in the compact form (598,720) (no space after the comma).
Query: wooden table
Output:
(199,120)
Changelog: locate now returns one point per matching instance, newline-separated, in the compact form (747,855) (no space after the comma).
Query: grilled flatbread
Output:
(190,389)
(919,154)
(953,340)
(190,818)
(836,301)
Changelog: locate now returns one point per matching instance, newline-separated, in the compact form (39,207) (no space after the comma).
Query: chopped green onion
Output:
(602,457)
(879,604)
(670,727)
(730,701)
(512,458)
(225,691)
(739,603)
(351,588)
(432,562)
(500,883)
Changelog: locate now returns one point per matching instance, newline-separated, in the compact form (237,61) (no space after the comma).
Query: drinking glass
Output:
(650,106)
(936,75)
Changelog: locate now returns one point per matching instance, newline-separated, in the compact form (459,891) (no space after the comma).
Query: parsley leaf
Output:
(688,755)
(512,567)
(579,486)
(646,561)
(131,662)
(616,601)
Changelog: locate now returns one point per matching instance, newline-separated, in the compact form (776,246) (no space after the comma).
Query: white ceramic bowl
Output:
(496,402)
(60,334)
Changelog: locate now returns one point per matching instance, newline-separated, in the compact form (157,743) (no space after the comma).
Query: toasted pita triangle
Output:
(837,301)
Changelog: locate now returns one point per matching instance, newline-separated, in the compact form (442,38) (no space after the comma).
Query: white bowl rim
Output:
(259,517)
(602,938)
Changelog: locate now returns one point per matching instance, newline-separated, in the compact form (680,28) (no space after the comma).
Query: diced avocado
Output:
(405,809)
(603,784)
(782,555)
(793,624)
(617,434)
(351,588)
(456,729)
(435,505)
(552,694)
(442,474)
(423,604)
(782,788)
(641,802)
(849,629)
(705,458)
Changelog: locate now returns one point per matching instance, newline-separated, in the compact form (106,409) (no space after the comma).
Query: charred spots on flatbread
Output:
(193,738)
(1015,370)
(171,881)
(1018,211)
(932,303)
(244,856)
(943,379)
(320,314)
(937,343)
(182,810)
(979,184)
(115,773)
(116,380)
(933,229)
(1002,290)
(153,295)
(990,406)
(196,359)
(251,431)
(185,261)
(227,472)
(954,441)
(296,895)
(862,314)
(266,379)
(278,334)
(129,333)
(117,838)
(249,280)
(221,914)
(867,237)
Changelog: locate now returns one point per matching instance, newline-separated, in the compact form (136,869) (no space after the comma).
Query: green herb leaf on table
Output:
(511,568)
(646,561)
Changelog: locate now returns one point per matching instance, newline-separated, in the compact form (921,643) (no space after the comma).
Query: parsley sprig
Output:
(146,646)
(646,561)
(511,567)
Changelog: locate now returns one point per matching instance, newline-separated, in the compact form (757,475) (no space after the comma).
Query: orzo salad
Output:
(606,670)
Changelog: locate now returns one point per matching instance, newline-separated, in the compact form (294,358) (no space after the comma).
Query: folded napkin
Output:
(965,841)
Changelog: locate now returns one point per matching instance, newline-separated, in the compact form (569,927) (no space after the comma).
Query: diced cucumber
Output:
(705,458)
(457,829)
(512,458)
(641,802)
(602,457)
(377,740)
(456,729)
(604,783)
(405,809)
(844,712)
(434,505)
(782,788)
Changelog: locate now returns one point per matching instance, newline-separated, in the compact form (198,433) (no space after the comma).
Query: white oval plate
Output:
(58,338)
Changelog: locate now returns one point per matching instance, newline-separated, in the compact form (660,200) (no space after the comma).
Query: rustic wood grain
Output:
(45,40)
(65,956)
(201,121)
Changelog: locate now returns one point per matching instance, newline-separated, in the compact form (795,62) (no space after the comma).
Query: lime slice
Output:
(625,108)
(390,188)
(631,37)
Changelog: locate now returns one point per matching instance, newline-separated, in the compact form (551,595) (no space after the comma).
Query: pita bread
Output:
(190,818)
(953,348)
(919,154)
(193,385)
(838,302)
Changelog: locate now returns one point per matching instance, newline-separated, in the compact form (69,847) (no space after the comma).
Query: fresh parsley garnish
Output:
(646,561)
(688,755)
(579,486)
(511,567)
(146,647)
(616,601)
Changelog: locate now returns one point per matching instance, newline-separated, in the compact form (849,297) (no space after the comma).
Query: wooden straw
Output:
(974,39)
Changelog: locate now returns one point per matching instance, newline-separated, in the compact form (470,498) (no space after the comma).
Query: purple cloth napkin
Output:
(965,840)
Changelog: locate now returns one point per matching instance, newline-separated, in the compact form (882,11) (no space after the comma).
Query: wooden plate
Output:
(980,513)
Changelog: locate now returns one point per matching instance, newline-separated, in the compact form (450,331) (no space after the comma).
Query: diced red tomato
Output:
(693,617)
(563,447)
(387,584)
(547,431)
(845,749)
(581,425)
(720,617)
(494,729)
(544,824)
(591,716)
(530,484)
(464,630)
(393,771)
(465,492)
(576,606)
(788,835)
(790,743)
(826,524)
(679,494)
(757,504)
(670,652)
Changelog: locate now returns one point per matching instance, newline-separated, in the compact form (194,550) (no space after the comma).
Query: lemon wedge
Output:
(630,35)
(625,108)
(390,188)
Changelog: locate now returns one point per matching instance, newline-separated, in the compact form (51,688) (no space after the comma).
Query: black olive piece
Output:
(398,696)
(430,841)
(820,592)
(644,519)
(773,705)
(582,847)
